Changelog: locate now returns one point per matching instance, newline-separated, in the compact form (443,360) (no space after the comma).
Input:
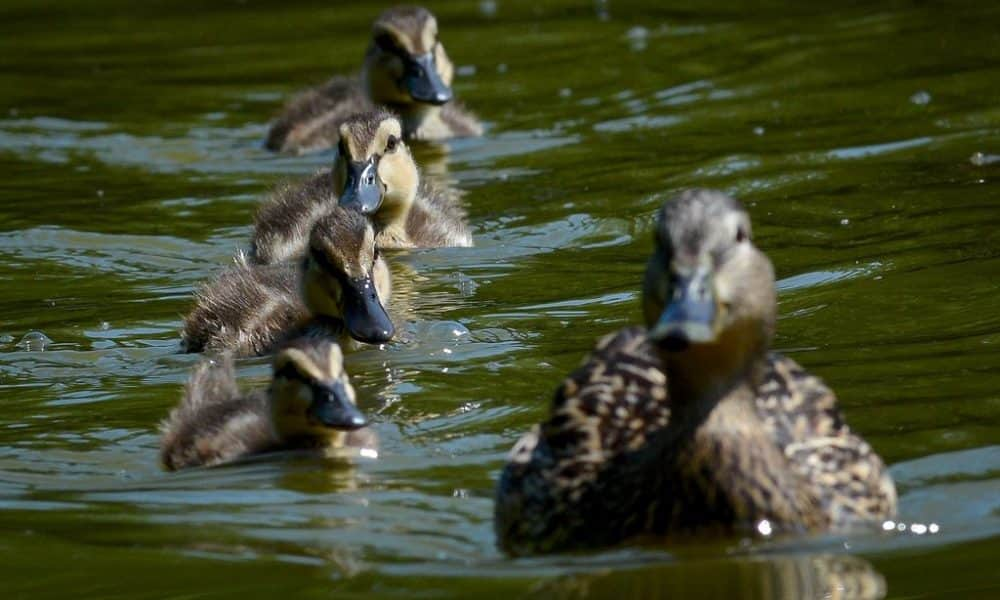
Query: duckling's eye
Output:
(391,143)
(741,234)
(376,254)
(386,42)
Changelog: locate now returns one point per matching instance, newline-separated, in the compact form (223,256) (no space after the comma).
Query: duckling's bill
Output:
(332,407)
(364,315)
(422,81)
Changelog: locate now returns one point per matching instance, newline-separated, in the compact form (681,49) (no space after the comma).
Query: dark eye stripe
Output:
(288,371)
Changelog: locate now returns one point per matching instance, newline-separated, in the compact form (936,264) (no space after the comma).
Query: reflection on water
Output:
(130,143)
(838,577)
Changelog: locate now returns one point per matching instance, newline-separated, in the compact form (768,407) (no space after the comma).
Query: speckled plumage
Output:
(568,484)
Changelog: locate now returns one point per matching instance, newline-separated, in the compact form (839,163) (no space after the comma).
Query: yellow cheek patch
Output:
(428,35)
(336,362)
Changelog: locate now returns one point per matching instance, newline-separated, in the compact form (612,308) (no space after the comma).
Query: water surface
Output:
(130,149)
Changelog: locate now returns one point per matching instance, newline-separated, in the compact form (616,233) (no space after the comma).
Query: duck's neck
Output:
(721,455)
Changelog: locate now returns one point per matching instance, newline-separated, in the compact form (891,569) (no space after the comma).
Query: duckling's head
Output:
(374,171)
(709,294)
(344,277)
(406,64)
(311,394)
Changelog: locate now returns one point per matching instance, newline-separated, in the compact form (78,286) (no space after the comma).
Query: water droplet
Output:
(764,527)
(918,528)
(845,221)
(34,341)
(933,528)
(921,98)
(502,68)
(565,93)
(888,526)
(637,38)
(488,8)
(758,130)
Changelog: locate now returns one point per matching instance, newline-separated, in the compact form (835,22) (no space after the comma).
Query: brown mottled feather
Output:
(582,479)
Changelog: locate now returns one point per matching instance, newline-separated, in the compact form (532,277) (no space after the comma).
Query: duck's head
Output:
(709,296)
(405,63)
(374,171)
(311,394)
(344,277)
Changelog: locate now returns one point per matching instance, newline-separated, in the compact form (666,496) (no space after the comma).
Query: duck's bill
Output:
(364,315)
(332,407)
(423,82)
(689,317)
(363,189)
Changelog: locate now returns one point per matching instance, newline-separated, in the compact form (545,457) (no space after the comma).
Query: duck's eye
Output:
(391,144)
(741,234)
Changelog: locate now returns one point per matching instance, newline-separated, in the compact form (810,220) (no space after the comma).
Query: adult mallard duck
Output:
(373,173)
(690,425)
(405,69)
(336,289)
(309,404)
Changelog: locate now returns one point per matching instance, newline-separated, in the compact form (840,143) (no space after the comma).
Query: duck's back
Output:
(802,415)
(437,219)
(582,478)
(311,120)
(560,488)
(247,309)
(284,220)
(215,423)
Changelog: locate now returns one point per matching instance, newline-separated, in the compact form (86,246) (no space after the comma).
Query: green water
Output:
(131,165)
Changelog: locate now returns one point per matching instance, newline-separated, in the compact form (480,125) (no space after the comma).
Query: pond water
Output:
(864,141)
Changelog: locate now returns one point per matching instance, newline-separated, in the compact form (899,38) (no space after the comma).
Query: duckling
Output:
(335,290)
(309,404)
(690,425)
(374,173)
(405,69)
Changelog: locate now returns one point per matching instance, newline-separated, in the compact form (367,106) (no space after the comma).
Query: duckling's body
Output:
(661,436)
(405,69)
(216,423)
(375,173)
(336,291)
